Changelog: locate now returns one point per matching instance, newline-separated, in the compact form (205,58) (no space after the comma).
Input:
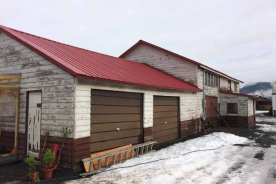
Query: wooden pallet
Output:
(130,152)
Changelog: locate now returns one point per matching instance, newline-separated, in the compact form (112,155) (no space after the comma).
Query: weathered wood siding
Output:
(228,98)
(250,107)
(188,103)
(165,62)
(57,86)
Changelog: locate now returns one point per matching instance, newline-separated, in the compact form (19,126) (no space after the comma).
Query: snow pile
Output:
(261,112)
(269,119)
(180,163)
(266,128)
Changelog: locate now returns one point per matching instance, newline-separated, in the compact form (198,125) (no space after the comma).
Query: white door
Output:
(34,120)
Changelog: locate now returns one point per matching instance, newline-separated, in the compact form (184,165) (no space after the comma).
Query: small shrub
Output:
(31,162)
(48,158)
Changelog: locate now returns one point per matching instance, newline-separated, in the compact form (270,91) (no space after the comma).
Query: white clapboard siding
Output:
(242,102)
(163,61)
(188,105)
(250,107)
(37,73)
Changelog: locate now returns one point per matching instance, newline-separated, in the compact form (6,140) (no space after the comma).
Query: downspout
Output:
(203,101)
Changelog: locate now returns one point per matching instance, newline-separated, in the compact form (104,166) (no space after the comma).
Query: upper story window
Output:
(211,79)
(229,85)
(236,87)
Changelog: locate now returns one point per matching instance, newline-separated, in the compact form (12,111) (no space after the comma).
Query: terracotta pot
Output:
(47,173)
(33,176)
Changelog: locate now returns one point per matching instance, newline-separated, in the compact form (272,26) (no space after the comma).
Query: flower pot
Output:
(33,176)
(47,173)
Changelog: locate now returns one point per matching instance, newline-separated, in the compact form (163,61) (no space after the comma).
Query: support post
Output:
(220,116)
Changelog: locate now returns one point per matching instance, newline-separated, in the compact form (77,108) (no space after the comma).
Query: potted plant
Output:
(48,158)
(33,173)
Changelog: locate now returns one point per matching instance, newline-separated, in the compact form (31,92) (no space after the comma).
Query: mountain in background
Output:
(263,89)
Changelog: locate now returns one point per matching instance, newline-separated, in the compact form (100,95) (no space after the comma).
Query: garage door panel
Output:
(167,138)
(108,118)
(165,114)
(163,120)
(111,110)
(158,102)
(104,136)
(162,127)
(116,94)
(105,145)
(106,127)
(165,132)
(165,108)
(102,109)
(113,101)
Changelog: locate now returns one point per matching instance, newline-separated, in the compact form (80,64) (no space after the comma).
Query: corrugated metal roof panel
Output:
(239,94)
(84,63)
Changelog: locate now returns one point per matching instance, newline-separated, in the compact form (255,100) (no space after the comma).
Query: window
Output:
(236,87)
(211,79)
(229,85)
(232,108)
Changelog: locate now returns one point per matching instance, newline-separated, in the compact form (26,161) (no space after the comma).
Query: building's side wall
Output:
(165,62)
(56,85)
(240,119)
(250,107)
(188,107)
(274,104)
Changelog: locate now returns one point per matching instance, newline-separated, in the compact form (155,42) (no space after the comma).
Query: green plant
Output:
(48,158)
(65,132)
(31,162)
(32,173)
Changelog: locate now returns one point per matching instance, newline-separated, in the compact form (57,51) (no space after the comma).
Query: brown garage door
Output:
(112,111)
(165,118)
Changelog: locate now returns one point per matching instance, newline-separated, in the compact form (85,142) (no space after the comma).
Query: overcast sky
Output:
(237,37)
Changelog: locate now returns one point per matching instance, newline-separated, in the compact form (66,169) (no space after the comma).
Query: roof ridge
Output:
(178,55)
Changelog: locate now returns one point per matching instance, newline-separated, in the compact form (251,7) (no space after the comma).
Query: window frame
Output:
(235,111)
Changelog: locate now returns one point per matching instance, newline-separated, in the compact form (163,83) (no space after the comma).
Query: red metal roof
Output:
(182,57)
(84,63)
(239,94)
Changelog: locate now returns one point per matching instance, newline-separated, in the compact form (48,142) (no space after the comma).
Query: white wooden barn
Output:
(105,101)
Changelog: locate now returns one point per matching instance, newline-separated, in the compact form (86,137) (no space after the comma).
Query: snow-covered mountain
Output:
(263,89)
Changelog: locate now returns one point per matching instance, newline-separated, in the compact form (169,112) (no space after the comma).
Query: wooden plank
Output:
(165,102)
(107,118)
(167,138)
(165,133)
(113,126)
(116,94)
(10,76)
(100,109)
(99,100)
(162,127)
(165,108)
(163,120)
(103,136)
(165,114)
(105,145)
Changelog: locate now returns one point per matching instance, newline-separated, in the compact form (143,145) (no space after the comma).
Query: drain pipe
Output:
(203,101)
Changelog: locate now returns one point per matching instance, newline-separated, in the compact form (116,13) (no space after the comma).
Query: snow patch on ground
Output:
(266,128)
(261,112)
(227,164)
(269,119)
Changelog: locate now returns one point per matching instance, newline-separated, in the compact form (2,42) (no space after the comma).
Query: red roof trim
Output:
(88,64)
(239,94)
(175,54)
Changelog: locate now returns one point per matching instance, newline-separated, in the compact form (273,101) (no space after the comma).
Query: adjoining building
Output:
(211,81)
(274,100)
